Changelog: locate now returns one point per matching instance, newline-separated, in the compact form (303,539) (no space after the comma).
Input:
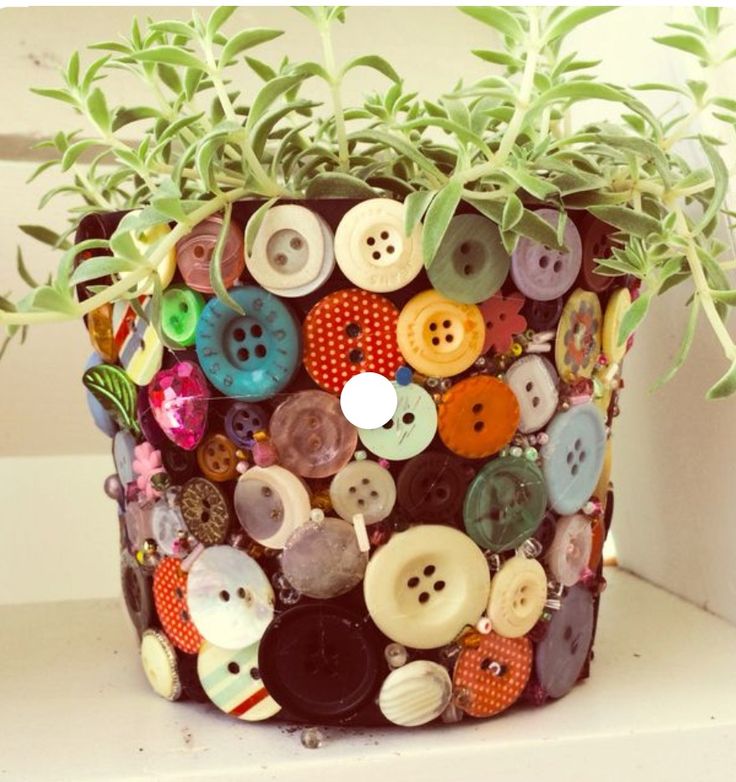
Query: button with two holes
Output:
(534,381)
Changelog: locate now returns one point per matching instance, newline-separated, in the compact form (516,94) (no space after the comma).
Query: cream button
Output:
(373,251)
(425,585)
(569,553)
(143,242)
(158,659)
(518,595)
(415,694)
(363,487)
(534,381)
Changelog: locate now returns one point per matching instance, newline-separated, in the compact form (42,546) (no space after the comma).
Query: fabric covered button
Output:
(292,252)
(505,503)
(573,457)
(232,681)
(270,503)
(170,595)
(373,251)
(490,677)
(478,416)
(311,435)
(534,382)
(543,315)
(471,262)
(562,653)
(596,244)
(578,341)
(205,511)
(543,273)
(140,349)
(230,597)
(167,524)
(180,311)
(137,592)
(251,356)
(217,458)
(243,420)
(349,332)
(363,487)
(440,337)
(618,306)
(194,254)
(424,585)
(431,488)
(317,661)
(518,595)
(158,659)
(569,554)
(415,694)
(503,319)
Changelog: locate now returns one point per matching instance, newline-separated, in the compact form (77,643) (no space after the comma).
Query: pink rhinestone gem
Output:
(179,401)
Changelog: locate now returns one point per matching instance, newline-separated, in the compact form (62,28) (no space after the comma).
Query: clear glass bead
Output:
(312,738)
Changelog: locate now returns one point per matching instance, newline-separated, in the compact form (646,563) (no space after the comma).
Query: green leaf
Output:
(725,386)
(23,272)
(266,72)
(440,212)
(246,39)
(115,391)
(47,298)
(254,223)
(75,150)
(685,43)
(44,235)
(572,19)
(415,205)
(270,92)
(628,220)
(726,296)
(659,87)
(91,75)
(337,185)
(496,18)
(498,58)
(633,317)
(169,77)
(720,185)
(61,95)
(513,211)
(170,55)
(685,345)
(530,225)
(173,27)
(372,61)
(97,108)
(217,18)
(101,266)
(192,80)
(216,281)
(41,168)
(72,70)
(126,116)
(534,185)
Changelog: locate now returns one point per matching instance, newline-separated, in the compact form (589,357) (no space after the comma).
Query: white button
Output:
(425,585)
(569,552)
(363,487)
(166,524)
(372,249)
(534,381)
(518,595)
(415,694)
(293,251)
(368,400)
(159,665)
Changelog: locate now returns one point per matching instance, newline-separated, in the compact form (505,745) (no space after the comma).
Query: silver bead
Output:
(312,738)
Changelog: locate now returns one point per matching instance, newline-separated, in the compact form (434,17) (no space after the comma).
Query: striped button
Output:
(415,694)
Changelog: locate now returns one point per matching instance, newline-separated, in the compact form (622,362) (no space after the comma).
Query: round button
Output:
(170,595)
(270,503)
(518,595)
(232,681)
(123,456)
(543,315)
(136,585)
(368,400)
(243,420)
(569,554)
(431,488)
(179,465)
(411,428)
(251,356)
(543,273)
(618,306)
(144,242)
(490,677)
(140,349)
(505,503)
(230,597)
(158,659)
(205,511)
(578,342)
(311,435)
(415,694)
(166,525)
(534,382)
(180,311)
(317,661)
(478,416)
(573,457)
(194,254)
(562,653)
(101,335)
(502,318)
(322,560)
(596,244)
(471,262)
(373,251)
(216,457)
(440,337)
(424,585)
(363,487)
(349,332)
(293,251)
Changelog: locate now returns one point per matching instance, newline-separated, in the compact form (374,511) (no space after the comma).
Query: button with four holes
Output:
(431,488)
(194,254)
(363,487)
(578,341)
(518,595)
(242,421)
(216,456)
(170,595)
(570,551)
(534,381)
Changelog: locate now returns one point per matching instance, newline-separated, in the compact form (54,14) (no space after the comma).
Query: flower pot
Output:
(441,561)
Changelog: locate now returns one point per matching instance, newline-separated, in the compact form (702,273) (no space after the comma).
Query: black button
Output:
(138,592)
(318,661)
(431,488)
(542,315)
(180,465)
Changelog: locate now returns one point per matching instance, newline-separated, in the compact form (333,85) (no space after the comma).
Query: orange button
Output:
(478,416)
(598,528)
(99,326)
(217,458)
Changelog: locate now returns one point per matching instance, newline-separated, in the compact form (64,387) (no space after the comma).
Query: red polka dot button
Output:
(349,332)
(170,596)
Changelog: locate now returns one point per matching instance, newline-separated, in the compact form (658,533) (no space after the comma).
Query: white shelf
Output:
(661,704)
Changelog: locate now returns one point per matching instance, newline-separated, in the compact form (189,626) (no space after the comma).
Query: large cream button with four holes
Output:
(425,585)
(518,595)
(372,249)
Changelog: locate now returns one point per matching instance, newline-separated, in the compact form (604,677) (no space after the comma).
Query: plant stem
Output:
(343,154)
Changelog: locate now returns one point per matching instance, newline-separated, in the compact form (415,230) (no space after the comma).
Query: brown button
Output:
(205,511)
(217,458)
(596,236)
(194,254)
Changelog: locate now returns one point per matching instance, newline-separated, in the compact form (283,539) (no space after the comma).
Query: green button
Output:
(471,263)
(180,311)
(505,503)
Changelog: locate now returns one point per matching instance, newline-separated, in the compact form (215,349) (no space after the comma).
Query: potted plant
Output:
(285,550)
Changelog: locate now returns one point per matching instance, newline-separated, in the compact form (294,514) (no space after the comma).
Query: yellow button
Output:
(143,241)
(440,337)
(618,306)
(578,342)
(518,595)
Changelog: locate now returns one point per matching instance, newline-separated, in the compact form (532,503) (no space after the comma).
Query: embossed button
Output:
(440,337)
(348,332)
(311,435)
(123,455)
(170,595)
(180,311)
(543,315)
(424,585)
(617,307)
(478,416)
(518,595)
(232,681)
(431,488)
(363,487)
(140,349)
(573,457)
(194,254)
(292,252)
(230,597)
(373,251)
(596,244)
(251,356)
(543,273)
(243,420)
(578,341)
(534,381)
(217,458)
(158,659)
(270,503)
(415,694)
(503,319)
(569,554)
(166,525)
(205,511)
(409,431)
(471,262)
(137,593)
(490,677)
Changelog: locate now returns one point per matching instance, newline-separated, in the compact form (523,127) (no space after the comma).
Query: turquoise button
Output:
(573,457)
(505,503)
(251,356)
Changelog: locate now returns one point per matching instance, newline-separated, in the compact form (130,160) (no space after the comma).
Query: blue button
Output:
(242,421)
(573,457)
(103,420)
(251,356)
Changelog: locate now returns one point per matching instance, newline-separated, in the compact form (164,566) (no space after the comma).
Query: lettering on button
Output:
(426,582)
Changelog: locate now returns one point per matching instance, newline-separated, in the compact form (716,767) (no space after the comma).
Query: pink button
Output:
(194,254)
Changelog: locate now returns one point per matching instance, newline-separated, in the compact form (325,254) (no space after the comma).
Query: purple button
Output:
(242,421)
(541,272)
